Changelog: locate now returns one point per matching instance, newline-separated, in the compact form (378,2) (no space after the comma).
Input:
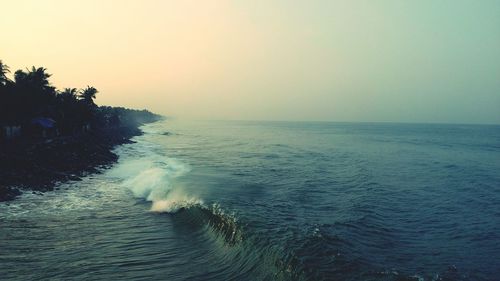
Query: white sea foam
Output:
(150,175)
(174,202)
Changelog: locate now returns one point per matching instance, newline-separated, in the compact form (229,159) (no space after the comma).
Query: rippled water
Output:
(271,201)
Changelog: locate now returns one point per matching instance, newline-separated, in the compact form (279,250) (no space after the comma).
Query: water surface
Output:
(271,201)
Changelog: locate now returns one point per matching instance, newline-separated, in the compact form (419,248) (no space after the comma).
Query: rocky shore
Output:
(38,165)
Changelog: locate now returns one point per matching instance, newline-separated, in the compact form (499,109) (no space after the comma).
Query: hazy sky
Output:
(407,61)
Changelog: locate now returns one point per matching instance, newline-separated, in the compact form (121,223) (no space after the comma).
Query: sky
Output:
(376,61)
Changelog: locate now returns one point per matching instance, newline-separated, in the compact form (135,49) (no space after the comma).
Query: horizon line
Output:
(332,121)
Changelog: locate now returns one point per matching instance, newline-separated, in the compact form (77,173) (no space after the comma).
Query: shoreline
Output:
(29,166)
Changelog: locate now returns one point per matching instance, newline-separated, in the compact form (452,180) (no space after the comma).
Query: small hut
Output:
(43,127)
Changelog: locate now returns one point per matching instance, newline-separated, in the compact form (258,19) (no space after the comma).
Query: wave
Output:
(174,203)
(213,217)
(317,255)
(150,175)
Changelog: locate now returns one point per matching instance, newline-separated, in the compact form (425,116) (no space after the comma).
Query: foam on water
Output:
(149,175)
(174,202)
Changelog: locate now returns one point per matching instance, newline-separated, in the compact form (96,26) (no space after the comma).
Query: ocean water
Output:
(270,201)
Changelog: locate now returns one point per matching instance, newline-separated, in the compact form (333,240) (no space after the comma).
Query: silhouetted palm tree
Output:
(39,77)
(20,77)
(88,95)
(68,114)
(69,94)
(33,92)
(4,69)
(35,78)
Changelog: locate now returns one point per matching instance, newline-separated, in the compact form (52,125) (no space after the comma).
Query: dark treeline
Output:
(49,136)
(29,99)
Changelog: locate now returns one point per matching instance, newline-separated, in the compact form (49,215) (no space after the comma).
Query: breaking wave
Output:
(151,176)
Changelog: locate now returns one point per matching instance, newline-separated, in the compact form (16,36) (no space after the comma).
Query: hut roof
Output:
(46,123)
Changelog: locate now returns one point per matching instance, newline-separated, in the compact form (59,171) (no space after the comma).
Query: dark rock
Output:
(40,165)
(8,193)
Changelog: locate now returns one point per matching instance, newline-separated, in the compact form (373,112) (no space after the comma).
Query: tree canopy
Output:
(30,95)
(4,69)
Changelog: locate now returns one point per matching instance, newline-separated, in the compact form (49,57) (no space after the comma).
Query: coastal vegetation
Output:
(49,135)
(31,103)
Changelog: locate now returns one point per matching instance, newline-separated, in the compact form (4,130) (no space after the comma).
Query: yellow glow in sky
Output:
(416,61)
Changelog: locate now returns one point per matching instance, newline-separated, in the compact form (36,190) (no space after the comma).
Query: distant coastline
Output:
(49,136)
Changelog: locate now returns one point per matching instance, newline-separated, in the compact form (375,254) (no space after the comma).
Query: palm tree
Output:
(36,78)
(4,69)
(68,94)
(34,93)
(20,77)
(88,95)
(39,77)
(67,111)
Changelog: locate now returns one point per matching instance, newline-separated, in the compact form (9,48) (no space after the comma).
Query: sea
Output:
(251,200)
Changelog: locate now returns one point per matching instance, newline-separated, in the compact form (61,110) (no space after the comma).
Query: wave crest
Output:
(173,204)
